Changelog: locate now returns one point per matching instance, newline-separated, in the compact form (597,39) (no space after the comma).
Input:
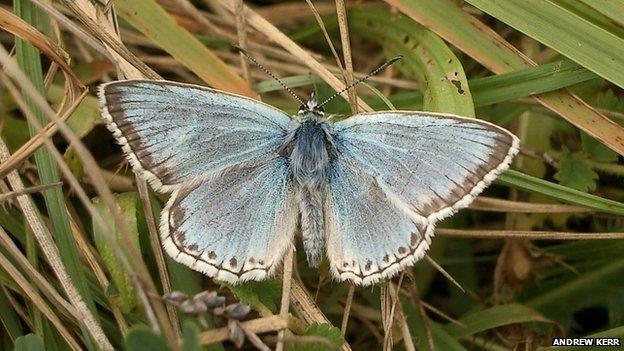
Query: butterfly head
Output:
(311,110)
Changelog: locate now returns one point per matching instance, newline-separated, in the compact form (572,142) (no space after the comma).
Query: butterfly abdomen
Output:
(310,164)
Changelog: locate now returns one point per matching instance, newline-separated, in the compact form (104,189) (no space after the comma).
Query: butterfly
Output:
(366,191)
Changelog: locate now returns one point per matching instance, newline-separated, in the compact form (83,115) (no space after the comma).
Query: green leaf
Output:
(575,173)
(29,60)
(467,33)
(494,317)
(441,339)
(158,25)
(528,81)
(86,115)
(558,27)
(9,318)
(141,338)
(128,204)
(331,334)
(574,292)
(263,296)
(562,193)
(425,57)
(596,150)
(190,336)
(29,342)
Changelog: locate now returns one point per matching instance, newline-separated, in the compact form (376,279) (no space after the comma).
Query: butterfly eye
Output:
(302,108)
(320,109)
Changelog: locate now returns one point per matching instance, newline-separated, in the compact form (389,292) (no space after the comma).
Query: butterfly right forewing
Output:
(174,133)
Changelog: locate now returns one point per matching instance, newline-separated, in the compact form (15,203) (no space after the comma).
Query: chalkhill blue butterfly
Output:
(365,191)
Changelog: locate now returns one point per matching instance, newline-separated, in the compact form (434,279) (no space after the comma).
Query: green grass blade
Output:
(597,49)
(579,286)
(10,319)
(529,81)
(467,33)
(153,21)
(29,60)
(425,57)
(125,296)
(531,184)
(494,317)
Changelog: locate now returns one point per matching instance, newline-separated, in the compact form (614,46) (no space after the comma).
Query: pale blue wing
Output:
(368,236)
(174,132)
(235,226)
(433,163)
(395,174)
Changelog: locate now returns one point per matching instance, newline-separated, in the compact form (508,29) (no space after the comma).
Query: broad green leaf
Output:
(596,150)
(263,296)
(141,338)
(552,24)
(330,334)
(29,342)
(86,115)
(128,204)
(575,173)
(153,21)
(494,317)
(425,57)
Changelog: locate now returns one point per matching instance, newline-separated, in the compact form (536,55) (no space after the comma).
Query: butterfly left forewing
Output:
(235,226)
(434,164)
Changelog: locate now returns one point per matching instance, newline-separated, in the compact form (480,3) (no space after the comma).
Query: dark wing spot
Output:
(233,262)
(212,255)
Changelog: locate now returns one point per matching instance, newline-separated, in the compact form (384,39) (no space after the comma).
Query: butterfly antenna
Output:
(248,56)
(375,71)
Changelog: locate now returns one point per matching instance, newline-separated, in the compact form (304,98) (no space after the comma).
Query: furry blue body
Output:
(310,146)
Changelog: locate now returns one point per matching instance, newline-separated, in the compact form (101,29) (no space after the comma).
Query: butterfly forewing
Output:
(426,165)
(173,133)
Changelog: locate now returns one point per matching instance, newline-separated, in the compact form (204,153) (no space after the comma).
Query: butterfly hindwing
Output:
(173,132)
(368,237)
(395,175)
(234,226)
